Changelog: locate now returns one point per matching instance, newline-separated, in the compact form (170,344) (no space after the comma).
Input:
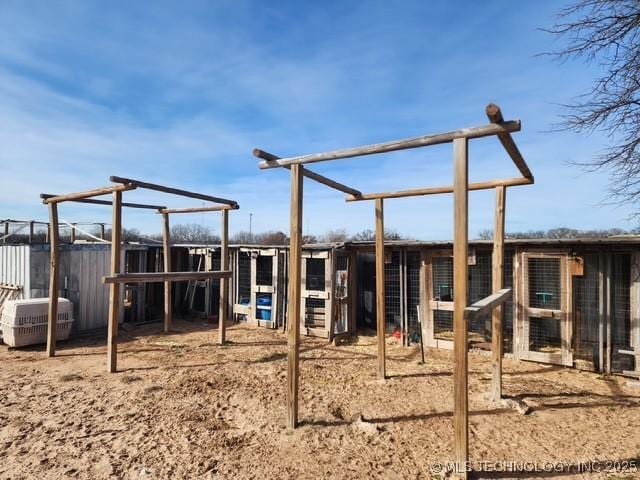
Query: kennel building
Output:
(260,287)
(82,266)
(575,301)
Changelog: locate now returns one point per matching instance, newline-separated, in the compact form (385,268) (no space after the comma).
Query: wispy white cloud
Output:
(181,96)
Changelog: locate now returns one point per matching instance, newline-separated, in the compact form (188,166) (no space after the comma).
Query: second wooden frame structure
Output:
(116,278)
(462,311)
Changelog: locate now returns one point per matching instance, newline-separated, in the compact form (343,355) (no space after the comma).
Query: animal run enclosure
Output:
(463,313)
(260,283)
(116,278)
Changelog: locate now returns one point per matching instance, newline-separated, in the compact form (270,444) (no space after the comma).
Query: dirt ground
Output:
(183,407)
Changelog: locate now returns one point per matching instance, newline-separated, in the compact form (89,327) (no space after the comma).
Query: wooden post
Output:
(295,278)
(6,231)
(54,256)
(166,250)
(498,283)
(114,288)
(608,311)
(602,275)
(224,282)
(73,233)
(102,231)
(460,250)
(380,291)
(31,231)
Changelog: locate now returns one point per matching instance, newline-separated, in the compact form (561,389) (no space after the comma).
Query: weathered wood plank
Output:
(157,277)
(94,201)
(404,144)
(114,290)
(380,290)
(295,298)
(270,157)
(460,279)
(497,275)
(72,197)
(419,192)
(54,274)
(224,282)
(166,253)
(495,116)
(171,190)
(216,208)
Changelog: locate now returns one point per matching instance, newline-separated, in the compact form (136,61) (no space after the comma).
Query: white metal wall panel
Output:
(14,266)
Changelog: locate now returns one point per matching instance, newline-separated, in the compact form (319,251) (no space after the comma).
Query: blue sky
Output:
(179,93)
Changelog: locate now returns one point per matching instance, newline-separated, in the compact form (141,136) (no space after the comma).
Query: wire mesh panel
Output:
(507,307)
(544,279)
(544,335)
(316,274)
(621,311)
(244,278)
(264,270)
(281,293)
(480,286)
(413,294)
(544,283)
(443,324)
(393,299)
(442,268)
(442,281)
(586,297)
(215,282)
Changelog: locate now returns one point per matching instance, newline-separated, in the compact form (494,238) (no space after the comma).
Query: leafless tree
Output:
(607,33)
(193,233)
(338,235)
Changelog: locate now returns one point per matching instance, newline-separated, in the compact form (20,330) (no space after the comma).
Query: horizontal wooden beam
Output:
(419,192)
(495,116)
(74,197)
(93,201)
(270,157)
(173,191)
(217,208)
(487,304)
(156,277)
(404,144)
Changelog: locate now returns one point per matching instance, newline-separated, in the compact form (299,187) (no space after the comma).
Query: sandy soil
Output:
(183,407)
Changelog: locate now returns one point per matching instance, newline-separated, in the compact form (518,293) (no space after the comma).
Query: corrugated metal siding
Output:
(81,275)
(81,270)
(14,266)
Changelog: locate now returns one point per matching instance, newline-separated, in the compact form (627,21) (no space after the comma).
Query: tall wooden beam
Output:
(420,192)
(74,197)
(460,251)
(495,116)
(161,277)
(166,250)
(217,208)
(95,201)
(295,297)
(54,274)
(270,157)
(497,276)
(173,191)
(114,288)
(380,290)
(224,282)
(404,144)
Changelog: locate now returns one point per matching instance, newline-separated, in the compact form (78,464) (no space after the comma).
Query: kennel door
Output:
(545,313)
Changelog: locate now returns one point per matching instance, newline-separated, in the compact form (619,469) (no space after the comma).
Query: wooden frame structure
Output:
(117,278)
(460,188)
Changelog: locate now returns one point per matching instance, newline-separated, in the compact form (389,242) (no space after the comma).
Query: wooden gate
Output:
(544,323)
